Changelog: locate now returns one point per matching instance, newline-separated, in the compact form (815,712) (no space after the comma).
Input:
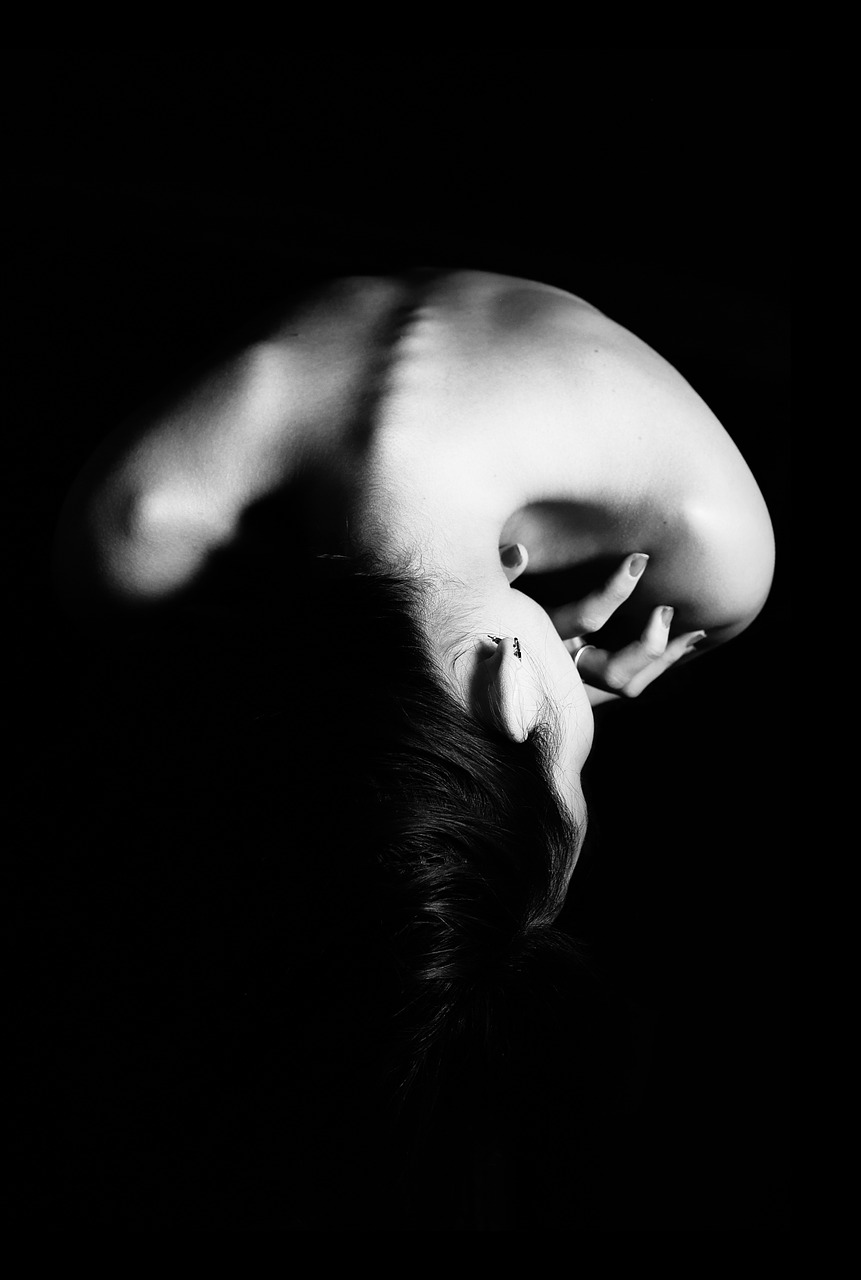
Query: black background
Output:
(158,198)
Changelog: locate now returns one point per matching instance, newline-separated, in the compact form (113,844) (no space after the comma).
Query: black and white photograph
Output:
(399,735)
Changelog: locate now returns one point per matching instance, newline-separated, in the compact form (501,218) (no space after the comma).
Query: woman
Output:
(346,516)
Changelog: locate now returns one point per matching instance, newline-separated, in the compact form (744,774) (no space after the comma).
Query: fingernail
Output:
(696,638)
(637,564)
(517,652)
(510,556)
(667,614)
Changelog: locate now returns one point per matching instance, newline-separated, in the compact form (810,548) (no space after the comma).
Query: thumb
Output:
(514,558)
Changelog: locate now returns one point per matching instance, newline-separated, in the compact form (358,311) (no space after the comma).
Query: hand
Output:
(628,671)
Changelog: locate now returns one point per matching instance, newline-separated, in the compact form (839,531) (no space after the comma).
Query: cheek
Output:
(575,750)
(581,723)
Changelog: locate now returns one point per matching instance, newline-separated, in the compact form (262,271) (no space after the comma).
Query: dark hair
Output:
(463,840)
(473,844)
(313,859)
(310,725)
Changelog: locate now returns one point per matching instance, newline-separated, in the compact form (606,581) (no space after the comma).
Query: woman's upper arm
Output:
(645,465)
(733,554)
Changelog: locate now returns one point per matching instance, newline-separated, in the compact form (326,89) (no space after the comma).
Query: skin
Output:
(506,673)
(495,413)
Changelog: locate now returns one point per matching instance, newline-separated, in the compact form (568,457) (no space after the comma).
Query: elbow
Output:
(737,562)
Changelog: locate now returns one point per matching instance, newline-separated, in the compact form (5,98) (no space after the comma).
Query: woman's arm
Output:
(624,455)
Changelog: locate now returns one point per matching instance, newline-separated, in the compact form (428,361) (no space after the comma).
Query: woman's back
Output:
(469,397)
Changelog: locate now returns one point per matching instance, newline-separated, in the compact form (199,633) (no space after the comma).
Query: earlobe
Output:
(507,704)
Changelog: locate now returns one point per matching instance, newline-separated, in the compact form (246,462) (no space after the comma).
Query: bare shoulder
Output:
(586,417)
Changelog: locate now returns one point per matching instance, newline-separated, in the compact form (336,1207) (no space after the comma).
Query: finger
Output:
(583,617)
(514,558)
(628,672)
(651,647)
(675,650)
(592,662)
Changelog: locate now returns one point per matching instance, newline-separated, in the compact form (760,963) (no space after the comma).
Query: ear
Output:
(505,695)
(514,558)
